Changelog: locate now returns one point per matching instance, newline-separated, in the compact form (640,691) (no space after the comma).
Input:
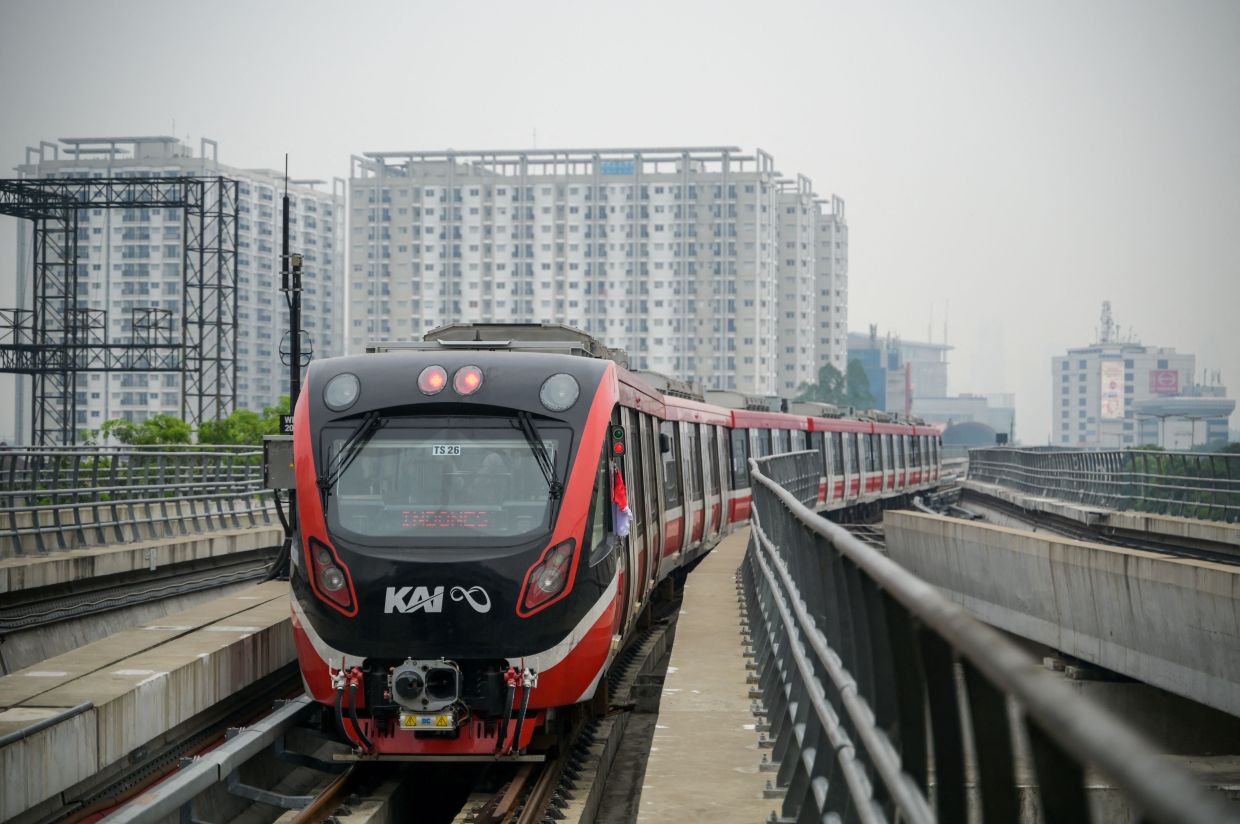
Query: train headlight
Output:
(341,392)
(467,380)
(548,579)
(559,392)
(331,579)
(432,380)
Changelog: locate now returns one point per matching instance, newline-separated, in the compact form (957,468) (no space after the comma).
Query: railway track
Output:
(566,785)
(1080,532)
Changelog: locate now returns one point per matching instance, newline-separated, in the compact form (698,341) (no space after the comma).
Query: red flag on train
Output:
(621,515)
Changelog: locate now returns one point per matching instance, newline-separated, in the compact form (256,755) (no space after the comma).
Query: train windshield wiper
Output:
(554,487)
(341,461)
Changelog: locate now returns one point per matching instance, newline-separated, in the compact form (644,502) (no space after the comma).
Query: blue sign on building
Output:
(616,167)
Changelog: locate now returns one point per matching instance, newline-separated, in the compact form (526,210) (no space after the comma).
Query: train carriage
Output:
(482,521)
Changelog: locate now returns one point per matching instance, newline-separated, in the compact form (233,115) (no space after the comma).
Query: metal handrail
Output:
(60,498)
(1183,484)
(873,681)
(797,472)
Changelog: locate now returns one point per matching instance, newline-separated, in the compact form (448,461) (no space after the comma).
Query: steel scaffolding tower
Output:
(55,339)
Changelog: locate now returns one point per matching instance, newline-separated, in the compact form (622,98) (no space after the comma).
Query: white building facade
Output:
(131,258)
(1094,389)
(675,255)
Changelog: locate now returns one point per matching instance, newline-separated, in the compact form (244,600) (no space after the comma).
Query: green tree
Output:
(157,430)
(829,388)
(244,426)
(858,386)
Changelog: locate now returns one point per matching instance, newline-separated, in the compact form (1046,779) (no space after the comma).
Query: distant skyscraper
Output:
(701,262)
(132,259)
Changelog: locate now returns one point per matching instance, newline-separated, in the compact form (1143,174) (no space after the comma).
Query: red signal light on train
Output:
(432,379)
(617,448)
(467,380)
(617,440)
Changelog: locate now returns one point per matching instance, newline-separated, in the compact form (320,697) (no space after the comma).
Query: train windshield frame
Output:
(444,481)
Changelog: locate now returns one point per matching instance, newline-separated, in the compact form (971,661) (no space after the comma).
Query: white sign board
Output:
(1112,391)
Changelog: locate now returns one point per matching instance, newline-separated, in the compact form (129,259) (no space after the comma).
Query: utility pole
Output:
(290,285)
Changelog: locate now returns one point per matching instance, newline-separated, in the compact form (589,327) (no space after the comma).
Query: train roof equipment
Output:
(550,338)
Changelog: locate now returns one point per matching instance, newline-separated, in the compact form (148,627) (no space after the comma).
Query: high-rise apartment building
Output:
(831,285)
(131,258)
(679,256)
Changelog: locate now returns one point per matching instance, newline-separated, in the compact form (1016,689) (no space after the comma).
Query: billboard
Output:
(1164,382)
(1112,391)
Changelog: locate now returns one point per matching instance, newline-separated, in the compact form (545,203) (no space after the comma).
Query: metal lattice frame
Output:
(56,339)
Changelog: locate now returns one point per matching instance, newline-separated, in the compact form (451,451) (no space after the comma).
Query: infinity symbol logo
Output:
(476,596)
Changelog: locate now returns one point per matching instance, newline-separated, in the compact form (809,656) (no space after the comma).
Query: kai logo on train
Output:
(424,599)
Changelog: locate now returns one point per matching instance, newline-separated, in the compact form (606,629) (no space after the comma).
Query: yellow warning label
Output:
(441,721)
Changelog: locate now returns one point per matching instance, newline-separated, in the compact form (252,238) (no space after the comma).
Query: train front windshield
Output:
(428,479)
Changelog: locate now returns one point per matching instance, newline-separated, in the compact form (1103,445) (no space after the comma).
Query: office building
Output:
(900,371)
(131,259)
(702,263)
(1119,393)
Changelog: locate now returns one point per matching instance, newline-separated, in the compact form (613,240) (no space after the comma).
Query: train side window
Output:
(915,455)
(854,452)
(867,453)
(899,451)
(837,452)
(889,452)
(755,443)
(671,466)
(739,439)
(818,444)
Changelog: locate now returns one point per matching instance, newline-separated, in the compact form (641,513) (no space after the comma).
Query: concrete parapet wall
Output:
(31,572)
(1170,622)
(143,683)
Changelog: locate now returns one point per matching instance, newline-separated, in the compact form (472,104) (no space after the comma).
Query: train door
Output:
(889,464)
(898,442)
(673,500)
(914,459)
(653,492)
(638,553)
(710,475)
(835,481)
(601,529)
(817,445)
(738,452)
(721,475)
(869,455)
(854,464)
(697,496)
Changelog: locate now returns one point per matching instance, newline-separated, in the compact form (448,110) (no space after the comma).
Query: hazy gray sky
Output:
(1020,162)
